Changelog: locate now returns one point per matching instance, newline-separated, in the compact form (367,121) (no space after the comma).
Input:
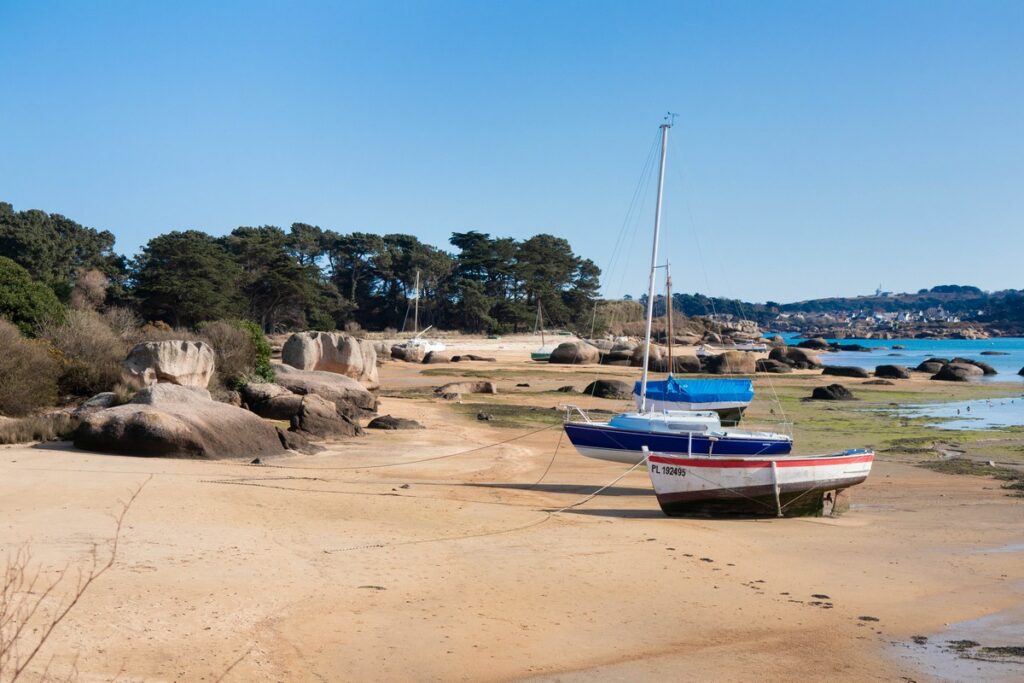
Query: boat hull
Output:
(746,486)
(599,441)
(731,412)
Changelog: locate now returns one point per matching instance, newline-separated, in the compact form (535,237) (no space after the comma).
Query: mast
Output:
(654,264)
(540,317)
(416,314)
(668,312)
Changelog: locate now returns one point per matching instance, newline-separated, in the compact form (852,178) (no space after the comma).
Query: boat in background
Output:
(761,485)
(707,350)
(426,345)
(418,342)
(544,352)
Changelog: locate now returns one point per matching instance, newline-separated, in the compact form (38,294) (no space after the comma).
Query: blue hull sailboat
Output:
(673,416)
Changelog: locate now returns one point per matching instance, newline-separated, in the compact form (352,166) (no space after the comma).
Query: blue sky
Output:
(822,148)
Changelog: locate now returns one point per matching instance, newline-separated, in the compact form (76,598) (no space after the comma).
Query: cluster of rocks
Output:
(173,413)
(321,390)
(416,353)
(905,330)
(631,354)
(820,344)
(956,369)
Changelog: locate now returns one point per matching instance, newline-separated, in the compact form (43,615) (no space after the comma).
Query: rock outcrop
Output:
(732,363)
(575,353)
(985,368)
(467,388)
(892,372)
(957,372)
(845,371)
(101,401)
(798,359)
(172,420)
(817,344)
(321,418)
(930,366)
(681,364)
(383,351)
(389,422)
(832,392)
(609,388)
(346,393)
(333,352)
(410,353)
(772,366)
(185,363)
(271,401)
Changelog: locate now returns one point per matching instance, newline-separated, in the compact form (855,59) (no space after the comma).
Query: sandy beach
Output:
(361,563)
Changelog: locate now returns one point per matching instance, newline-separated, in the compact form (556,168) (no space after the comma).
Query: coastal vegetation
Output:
(305,277)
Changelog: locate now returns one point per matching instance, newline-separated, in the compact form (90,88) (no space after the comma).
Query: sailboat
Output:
(418,341)
(544,352)
(626,436)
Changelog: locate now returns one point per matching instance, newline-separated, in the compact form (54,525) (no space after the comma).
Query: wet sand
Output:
(456,568)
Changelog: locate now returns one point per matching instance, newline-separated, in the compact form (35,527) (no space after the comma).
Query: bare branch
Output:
(20,604)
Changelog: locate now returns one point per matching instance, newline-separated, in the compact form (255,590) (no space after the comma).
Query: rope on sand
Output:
(548,515)
(412,462)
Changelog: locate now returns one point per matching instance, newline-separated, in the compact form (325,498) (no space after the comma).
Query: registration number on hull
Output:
(669,470)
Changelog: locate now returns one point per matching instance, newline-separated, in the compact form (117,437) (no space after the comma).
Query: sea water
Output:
(991,413)
(918,350)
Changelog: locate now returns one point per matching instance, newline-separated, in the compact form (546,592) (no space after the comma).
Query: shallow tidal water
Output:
(990,648)
(994,413)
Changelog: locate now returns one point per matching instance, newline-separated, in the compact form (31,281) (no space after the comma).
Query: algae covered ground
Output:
(781,404)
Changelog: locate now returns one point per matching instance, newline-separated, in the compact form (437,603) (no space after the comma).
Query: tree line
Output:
(305,277)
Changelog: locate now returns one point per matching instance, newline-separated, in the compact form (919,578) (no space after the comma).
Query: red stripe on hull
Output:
(715,463)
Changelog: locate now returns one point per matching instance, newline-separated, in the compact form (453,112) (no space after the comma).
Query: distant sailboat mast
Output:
(654,264)
(416,311)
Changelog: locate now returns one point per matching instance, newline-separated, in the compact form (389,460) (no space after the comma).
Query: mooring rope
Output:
(408,462)
(548,515)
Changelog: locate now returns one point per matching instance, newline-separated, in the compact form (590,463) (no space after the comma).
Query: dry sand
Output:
(456,569)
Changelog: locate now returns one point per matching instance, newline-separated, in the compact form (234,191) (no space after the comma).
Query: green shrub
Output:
(243,353)
(89,351)
(28,373)
(262,368)
(24,302)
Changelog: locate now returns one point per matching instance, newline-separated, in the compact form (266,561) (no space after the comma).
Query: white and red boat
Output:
(758,485)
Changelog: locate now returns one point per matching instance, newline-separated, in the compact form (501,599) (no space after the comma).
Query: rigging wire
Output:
(707,283)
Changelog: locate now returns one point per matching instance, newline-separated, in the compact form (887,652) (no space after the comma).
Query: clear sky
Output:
(822,148)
